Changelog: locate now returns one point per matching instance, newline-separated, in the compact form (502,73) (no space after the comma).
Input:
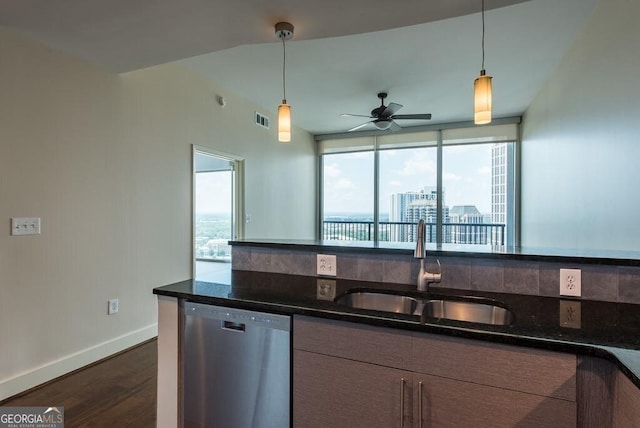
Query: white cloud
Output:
(395,183)
(332,171)
(360,155)
(344,184)
(448,176)
(485,170)
(421,167)
(458,149)
(387,154)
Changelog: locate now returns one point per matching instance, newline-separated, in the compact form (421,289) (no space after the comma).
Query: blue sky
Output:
(348,178)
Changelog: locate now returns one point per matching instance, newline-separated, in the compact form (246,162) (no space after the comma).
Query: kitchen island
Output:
(606,338)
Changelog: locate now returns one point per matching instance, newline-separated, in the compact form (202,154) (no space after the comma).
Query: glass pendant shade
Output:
(284,122)
(482,99)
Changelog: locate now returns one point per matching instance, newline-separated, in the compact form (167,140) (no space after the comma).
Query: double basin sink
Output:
(469,309)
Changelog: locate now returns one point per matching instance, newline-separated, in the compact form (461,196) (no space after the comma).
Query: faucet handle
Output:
(434,277)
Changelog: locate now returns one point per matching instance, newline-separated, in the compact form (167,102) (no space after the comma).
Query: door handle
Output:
(420,404)
(233,326)
(402,382)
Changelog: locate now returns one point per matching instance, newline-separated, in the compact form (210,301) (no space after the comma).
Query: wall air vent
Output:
(262,120)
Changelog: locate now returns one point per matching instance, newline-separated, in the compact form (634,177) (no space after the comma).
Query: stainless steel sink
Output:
(467,311)
(452,309)
(379,302)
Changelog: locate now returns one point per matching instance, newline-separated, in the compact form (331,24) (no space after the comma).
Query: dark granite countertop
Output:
(607,330)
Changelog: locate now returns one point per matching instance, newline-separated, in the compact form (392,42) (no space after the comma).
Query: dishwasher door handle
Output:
(234,326)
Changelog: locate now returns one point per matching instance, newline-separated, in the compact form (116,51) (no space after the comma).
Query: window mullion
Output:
(376,190)
(439,205)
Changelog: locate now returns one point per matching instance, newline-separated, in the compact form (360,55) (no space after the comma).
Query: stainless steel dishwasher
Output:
(236,367)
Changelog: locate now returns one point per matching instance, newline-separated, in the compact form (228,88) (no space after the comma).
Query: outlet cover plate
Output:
(326,265)
(326,289)
(570,314)
(113,306)
(571,282)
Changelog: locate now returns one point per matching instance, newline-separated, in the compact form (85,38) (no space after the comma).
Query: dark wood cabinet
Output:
(442,402)
(606,397)
(337,392)
(351,375)
(626,408)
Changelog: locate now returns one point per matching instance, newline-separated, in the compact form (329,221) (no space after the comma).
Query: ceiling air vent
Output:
(262,120)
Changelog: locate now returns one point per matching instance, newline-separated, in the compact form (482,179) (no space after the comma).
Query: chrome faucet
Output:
(424,277)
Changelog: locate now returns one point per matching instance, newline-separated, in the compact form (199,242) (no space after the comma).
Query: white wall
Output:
(581,145)
(105,161)
(280,179)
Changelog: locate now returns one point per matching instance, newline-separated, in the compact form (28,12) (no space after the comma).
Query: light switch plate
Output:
(25,226)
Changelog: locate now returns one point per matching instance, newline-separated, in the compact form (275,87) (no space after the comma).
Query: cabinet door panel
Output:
(457,404)
(336,392)
(627,403)
(377,345)
(535,371)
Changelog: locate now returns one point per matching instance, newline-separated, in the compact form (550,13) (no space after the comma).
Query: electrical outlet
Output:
(570,282)
(113,307)
(326,289)
(326,265)
(570,314)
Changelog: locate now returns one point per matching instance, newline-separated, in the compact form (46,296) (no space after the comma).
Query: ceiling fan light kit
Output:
(482,90)
(383,124)
(284,31)
(383,117)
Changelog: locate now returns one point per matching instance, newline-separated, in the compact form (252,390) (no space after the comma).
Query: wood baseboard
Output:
(37,377)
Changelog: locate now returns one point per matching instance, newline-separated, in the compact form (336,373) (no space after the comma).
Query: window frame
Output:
(464,131)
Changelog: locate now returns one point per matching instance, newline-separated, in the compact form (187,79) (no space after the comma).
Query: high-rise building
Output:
(500,179)
(468,227)
(401,213)
(427,210)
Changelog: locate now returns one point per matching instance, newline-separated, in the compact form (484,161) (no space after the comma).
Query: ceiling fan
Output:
(384,117)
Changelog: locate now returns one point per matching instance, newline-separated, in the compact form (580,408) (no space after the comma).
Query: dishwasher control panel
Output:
(238,316)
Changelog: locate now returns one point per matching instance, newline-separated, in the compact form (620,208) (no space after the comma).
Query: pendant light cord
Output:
(482,34)
(284,62)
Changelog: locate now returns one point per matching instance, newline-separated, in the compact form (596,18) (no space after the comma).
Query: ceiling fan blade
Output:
(424,116)
(355,115)
(395,127)
(391,109)
(360,126)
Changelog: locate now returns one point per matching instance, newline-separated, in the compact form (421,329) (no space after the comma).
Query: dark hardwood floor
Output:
(117,392)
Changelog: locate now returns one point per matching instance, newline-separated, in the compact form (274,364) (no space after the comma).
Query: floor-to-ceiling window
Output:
(460,181)
(348,196)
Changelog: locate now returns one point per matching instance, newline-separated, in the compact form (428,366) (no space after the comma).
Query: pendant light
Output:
(482,90)
(284,31)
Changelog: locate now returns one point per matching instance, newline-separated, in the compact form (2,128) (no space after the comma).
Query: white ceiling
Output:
(424,53)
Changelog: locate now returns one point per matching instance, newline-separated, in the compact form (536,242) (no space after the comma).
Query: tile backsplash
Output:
(599,282)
